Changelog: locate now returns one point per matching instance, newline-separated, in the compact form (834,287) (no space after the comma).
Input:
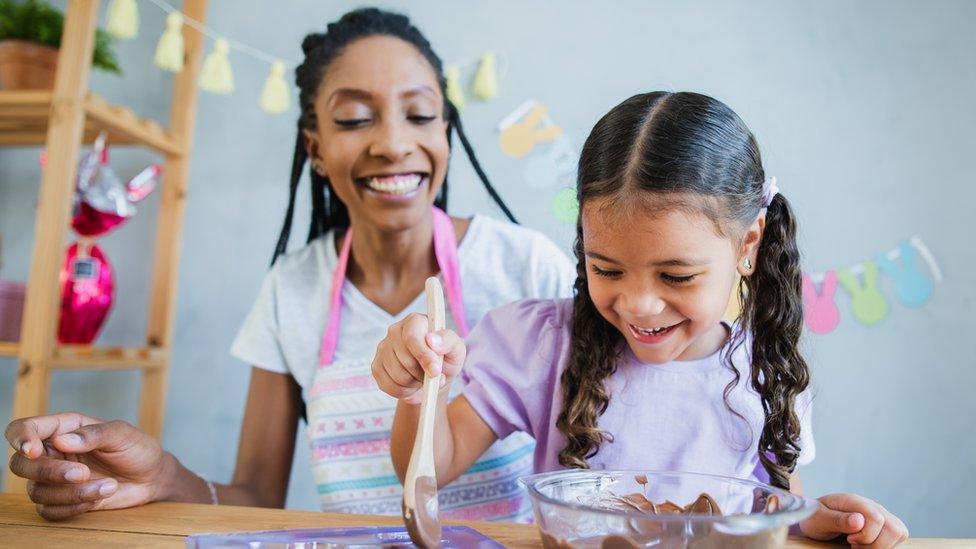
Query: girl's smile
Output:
(653,336)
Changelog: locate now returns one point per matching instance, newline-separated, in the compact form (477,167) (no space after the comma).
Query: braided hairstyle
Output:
(320,49)
(660,144)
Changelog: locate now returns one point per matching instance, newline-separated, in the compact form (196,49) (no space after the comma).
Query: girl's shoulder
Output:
(543,314)
(525,331)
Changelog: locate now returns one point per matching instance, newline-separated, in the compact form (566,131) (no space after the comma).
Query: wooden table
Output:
(167,524)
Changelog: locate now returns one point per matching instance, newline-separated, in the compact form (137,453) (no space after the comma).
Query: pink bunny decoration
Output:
(821,314)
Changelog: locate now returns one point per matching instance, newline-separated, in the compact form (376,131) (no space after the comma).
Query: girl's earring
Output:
(747,264)
(317,166)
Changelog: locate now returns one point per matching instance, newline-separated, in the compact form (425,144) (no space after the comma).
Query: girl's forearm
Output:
(404,432)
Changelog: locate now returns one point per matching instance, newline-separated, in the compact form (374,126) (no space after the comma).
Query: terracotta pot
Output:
(27,66)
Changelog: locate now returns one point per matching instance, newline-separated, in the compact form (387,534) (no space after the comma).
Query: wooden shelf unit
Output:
(61,120)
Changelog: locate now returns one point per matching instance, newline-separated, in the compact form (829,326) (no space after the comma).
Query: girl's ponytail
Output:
(773,314)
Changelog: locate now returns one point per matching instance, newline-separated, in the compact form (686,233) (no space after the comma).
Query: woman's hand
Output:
(74,464)
(408,350)
(865,522)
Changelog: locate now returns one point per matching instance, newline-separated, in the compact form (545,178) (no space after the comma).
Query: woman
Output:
(375,127)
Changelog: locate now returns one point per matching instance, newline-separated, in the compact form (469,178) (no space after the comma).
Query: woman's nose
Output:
(392,142)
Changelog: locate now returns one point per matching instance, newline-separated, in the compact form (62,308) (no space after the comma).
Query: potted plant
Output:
(30,34)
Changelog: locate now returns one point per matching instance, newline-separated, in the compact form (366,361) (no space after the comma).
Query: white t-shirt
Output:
(499,262)
(349,418)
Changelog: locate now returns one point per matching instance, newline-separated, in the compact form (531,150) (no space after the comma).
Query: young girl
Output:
(638,371)
(376,128)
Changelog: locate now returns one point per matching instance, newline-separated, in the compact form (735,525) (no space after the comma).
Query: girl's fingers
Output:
(828,524)
(412,335)
(449,344)
(892,533)
(407,360)
(399,373)
(386,383)
(874,519)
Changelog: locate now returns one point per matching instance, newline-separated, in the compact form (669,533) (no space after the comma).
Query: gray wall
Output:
(863,110)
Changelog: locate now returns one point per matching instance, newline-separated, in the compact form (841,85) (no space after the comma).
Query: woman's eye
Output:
(421,119)
(674,279)
(350,122)
(606,274)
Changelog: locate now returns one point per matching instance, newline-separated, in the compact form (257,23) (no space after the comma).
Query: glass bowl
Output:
(585,509)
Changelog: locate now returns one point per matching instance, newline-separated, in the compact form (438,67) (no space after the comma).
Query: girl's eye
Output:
(672,279)
(350,122)
(606,274)
(421,119)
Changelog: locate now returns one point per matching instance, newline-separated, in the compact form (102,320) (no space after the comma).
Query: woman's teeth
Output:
(395,184)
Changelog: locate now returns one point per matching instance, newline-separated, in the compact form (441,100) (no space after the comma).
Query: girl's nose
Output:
(643,304)
(392,142)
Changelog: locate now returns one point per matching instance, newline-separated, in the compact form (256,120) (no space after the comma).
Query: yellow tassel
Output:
(454,93)
(123,19)
(485,84)
(216,75)
(169,51)
(275,97)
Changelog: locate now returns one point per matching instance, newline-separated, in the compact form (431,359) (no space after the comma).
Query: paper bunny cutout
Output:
(867,302)
(820,312)
(518,139)
(912,287)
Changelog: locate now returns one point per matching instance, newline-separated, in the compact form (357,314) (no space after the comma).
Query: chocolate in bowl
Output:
(661,509)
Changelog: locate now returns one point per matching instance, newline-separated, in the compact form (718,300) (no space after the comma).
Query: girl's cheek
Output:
(601,296)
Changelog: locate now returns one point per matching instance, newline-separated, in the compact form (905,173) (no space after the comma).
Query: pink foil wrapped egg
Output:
(87,288)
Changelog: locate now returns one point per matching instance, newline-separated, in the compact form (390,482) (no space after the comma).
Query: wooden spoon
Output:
(420,512)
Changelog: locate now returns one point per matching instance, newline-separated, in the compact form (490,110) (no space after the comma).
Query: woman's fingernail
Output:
(25,448)
(70,439)
(74,475)
(107,488)
(434,340)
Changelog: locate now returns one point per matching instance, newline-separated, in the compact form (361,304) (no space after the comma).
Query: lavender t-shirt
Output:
(661,416)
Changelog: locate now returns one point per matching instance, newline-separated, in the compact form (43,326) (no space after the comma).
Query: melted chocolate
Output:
(423,523)
(708,538)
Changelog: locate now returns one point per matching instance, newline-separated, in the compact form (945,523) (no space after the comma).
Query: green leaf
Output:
(41,23)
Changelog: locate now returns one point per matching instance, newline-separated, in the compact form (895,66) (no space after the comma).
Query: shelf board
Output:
(24,117)
(85,357)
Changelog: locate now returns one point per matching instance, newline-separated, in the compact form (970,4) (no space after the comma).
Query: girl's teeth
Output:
(396,184)
(652,331)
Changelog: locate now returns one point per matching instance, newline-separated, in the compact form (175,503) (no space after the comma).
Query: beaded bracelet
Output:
(213,490)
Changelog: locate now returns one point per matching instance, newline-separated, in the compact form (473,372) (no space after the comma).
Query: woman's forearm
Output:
(185,486)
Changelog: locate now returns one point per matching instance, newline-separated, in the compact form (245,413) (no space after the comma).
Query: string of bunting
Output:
(217,75)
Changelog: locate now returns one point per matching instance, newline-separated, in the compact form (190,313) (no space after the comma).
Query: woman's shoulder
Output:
(309,262)
(516,241)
